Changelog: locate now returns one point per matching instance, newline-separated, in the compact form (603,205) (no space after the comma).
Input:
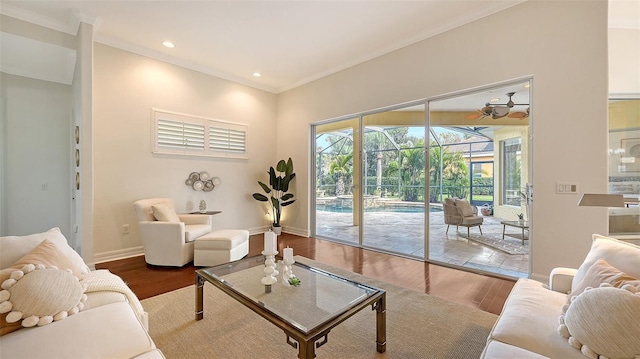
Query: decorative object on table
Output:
(202,181)
(288,278)
(270,251)
(521,217)
(203,206)
(277,190)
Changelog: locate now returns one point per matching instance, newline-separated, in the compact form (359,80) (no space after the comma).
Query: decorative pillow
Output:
(603,322)
(465,207)
(36,295)
(47,254)
(164,214)
(622,255)
(12,248)
(601,272)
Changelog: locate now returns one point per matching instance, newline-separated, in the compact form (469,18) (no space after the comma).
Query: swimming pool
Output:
(395,208)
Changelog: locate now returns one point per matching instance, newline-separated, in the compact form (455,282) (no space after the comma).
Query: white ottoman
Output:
(220,247)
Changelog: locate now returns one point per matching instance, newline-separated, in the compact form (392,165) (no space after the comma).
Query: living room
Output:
(562,46)
(117,167)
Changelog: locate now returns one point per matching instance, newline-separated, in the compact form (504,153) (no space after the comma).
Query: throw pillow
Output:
(603,322)
(163,213)
(602,272)
(15,247)
(48,254)
(622,255)
(465,207)
(36,295)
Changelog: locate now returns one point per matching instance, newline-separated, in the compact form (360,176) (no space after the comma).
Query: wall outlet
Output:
(125,229)
(566,188)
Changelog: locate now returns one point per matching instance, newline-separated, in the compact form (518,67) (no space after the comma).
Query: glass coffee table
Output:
(523,225)
(305,313)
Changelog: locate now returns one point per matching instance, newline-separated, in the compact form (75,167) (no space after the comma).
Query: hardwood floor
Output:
(471,289)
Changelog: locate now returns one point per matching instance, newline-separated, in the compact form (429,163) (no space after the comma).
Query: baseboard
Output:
(118,254)
(297,231)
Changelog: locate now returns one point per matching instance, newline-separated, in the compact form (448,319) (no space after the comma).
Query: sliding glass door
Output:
(337,205)
(393,177)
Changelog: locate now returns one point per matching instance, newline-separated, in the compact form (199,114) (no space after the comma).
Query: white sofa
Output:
(528,326)
(111,322)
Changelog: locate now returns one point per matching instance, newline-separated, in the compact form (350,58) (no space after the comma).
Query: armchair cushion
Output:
(465,207)
(193,231)
(164,213)
(622,255)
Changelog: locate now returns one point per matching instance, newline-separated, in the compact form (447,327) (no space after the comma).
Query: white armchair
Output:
(169,241)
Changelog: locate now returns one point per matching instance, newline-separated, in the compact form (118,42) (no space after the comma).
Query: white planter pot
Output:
(276,230)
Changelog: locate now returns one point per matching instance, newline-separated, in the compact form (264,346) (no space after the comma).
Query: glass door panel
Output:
(479,152)
(393,178)
(337,198)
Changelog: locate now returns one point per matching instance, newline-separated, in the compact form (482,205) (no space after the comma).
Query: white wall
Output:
(563,44)
(36,122)
(126,87)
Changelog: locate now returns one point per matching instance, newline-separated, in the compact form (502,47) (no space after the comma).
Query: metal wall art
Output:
(202,181)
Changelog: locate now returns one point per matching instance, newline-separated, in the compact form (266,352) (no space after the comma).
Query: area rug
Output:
(510,244)
(418,326)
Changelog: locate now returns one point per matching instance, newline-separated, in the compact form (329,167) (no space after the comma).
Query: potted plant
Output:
(277,191)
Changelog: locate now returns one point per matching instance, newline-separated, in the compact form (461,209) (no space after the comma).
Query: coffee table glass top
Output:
(320,297)
(519,224)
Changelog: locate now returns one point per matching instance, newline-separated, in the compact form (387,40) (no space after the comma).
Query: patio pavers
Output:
(403,233)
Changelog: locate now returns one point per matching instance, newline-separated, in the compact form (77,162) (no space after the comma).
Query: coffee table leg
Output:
(504,227)
(199,297)
(306,349)
(381,323)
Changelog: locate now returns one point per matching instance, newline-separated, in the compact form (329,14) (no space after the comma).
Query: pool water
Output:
(399,209)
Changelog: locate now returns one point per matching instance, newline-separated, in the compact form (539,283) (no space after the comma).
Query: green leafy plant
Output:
(294,281)
(279,180)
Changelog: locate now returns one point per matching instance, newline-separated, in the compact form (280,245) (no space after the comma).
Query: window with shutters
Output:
(175,133)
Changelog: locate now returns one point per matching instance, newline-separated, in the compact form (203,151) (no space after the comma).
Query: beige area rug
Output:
(418,326)
(511,244)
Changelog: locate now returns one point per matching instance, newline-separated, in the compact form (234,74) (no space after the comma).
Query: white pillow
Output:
(622,255)
(465,207)
(603,322)
(36,295)
(164,213)
(12,248)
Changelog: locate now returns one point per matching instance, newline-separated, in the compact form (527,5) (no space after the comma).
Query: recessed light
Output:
(257,74)
(168,44)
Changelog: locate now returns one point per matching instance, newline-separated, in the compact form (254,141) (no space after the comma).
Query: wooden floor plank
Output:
(471,289)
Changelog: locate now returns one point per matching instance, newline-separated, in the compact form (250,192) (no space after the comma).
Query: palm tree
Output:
(343,168)
(412,163)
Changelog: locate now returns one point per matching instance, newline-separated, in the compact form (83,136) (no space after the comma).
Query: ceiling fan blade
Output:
(518,114)
(474,116)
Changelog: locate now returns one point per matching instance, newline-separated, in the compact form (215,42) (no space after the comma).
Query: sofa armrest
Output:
(195,218)
(560,279)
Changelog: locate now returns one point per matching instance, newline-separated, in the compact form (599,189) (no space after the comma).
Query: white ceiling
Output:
(289,42)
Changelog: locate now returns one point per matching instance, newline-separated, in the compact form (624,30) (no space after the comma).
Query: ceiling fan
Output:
(499,110)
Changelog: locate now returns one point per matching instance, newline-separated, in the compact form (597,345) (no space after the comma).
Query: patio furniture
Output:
(459,212)
(523,225)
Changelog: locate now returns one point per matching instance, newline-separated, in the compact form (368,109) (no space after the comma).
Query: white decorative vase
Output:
(276,230)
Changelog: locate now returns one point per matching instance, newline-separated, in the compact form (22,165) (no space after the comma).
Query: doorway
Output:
(480,161)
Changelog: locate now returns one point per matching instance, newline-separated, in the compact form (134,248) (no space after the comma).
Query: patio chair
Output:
(459,212)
